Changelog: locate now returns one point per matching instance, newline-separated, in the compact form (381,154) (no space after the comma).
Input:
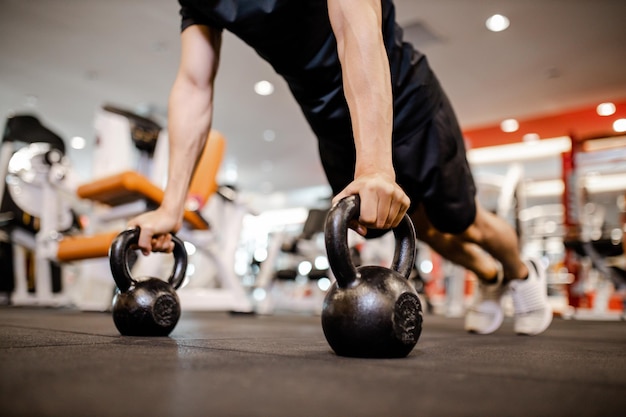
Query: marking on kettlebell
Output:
(165,310)
(406,318)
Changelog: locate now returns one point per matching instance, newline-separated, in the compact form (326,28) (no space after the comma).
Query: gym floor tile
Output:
(58,362)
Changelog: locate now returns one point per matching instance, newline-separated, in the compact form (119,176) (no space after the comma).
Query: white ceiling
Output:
(63,59)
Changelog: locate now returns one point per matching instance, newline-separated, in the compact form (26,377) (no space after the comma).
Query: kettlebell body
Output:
(378,316)
(370,311)
(145,306)
(150,307)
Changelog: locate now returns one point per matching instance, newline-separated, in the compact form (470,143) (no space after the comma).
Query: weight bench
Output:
(130,193)
(130,187)
(119,191)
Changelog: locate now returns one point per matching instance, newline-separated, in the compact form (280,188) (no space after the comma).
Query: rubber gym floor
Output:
(61,362)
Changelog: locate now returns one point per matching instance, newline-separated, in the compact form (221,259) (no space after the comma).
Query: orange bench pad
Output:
(74,248)
(130,186)
(204,181)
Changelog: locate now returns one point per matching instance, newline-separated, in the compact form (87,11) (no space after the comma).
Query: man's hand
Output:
(383,202)
(156,227)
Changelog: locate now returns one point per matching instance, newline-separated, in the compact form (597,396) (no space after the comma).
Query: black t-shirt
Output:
(295,37)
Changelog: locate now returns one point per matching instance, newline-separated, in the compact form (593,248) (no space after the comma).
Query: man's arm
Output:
(367,87)
(190,113)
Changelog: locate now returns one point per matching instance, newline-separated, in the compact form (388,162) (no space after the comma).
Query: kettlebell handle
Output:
(338,252)
(119,264)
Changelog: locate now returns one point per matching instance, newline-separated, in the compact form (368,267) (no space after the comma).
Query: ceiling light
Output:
(509,125)
(545,188)
(78,142)
(517,152)
(605,183)
(264,88)
(605,109)
(530,137)
(269,135)
(31,100)
(604,144)
(497,23)
(619,125)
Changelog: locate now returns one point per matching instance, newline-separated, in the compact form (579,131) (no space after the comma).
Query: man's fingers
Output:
(368,213)
(383,203)
(162,243)
(357,227)
(402,205)
(150,242)
(145,241)
(385,212)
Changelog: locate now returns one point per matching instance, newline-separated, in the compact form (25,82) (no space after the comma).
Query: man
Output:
(386,131)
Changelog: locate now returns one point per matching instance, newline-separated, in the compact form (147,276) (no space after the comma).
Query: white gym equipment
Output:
(37,183)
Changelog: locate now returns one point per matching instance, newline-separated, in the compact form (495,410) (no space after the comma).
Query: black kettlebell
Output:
(146,306)
(370,311)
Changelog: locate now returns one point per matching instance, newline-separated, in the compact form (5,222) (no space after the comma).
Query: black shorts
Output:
(431,167)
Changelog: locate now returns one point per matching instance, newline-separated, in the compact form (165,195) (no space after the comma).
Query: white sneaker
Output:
(533,313)
(486,315)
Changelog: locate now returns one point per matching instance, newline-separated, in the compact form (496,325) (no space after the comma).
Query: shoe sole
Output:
(499,318)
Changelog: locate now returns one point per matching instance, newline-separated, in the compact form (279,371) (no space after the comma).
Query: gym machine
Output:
(565,213)
(212,222)
(294,275)
(37,209)
(594,174)
(34,169)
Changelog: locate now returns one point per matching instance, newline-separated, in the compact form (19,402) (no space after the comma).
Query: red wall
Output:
(581,123)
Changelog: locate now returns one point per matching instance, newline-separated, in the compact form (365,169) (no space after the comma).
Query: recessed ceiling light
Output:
(497,23)
(78,142)
(31,100)
(530,137)
(264,88)
(619,125)
(605,109)
(509,125)
(269,135)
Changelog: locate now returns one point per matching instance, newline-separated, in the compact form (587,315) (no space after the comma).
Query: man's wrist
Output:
(372,168)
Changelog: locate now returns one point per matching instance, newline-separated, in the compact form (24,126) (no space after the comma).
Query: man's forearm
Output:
(190,115)
(367,81)
(190,111)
